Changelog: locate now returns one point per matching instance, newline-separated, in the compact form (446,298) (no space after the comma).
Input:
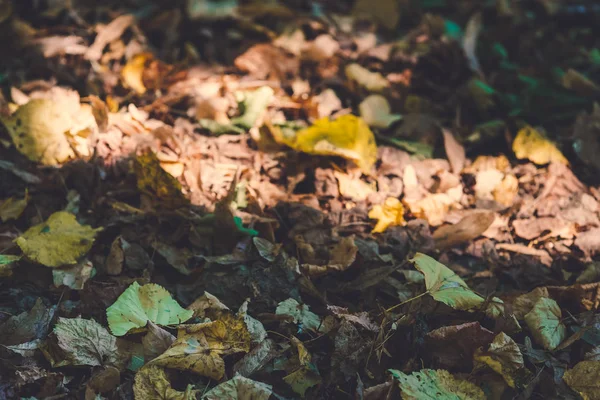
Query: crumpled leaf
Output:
(372,81)
(12,208)
(348,136)
(504,357)
(139,304)
(307,375)
(531,144)
(390,214)
(81,342)
(151,383)
(435,385)
(74,276)
(544,323)
(133,71)
(306,319)
(444,285)
(584,378)
(61,240)
(240,388)
(375,111)
(199,348)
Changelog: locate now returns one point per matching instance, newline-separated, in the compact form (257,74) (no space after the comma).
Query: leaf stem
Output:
(407,301)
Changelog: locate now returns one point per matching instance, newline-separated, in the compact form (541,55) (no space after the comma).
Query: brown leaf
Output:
(534,228)
(454,151)
(452,346)
(264,61)
(469,228)
(107,34)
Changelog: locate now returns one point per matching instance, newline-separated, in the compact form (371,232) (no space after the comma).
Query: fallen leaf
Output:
(28,325)
(544,322)
(506,192)
(533,228)
(452,346)
(504,357)
(435,384)
(454,151)
(257,358)
(73,277)
(353,188)
(153,180)
(12,208)
(61,240)
(469,43)
(375,111)
(307,375)
(207,306)
(81,342)
(7,263)
(253,105)
(139,304)
(467,229)
(524,303)
(151,383)
(199,348)
(178,258)
(579,83)
(107,34)
(372,81)
(240,388)
(532,145)
(132,72)
(444,285)
(156,341)
(265,60)
(306,319)
(584,378)
(38,131)
(348,137)
(390,214)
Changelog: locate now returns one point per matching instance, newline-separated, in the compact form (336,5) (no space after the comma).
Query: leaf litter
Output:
(311,199)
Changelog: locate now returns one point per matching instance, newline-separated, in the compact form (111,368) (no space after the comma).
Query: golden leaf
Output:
(12,208)
(133,71)
(532,145)
(155,181)
(390,214)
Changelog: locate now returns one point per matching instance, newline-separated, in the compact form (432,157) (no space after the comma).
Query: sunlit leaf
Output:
(391,213)
(199,348)
(532,145)
(61,240)
(444,285)
(348,136)
(435,385)
(156,182)
(544,322)
(139,304)
(133,71)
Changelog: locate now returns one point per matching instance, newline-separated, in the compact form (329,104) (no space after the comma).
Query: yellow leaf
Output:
(351,187)
(132,72)
(156,182)
(390,214)
(38,131)
(532,145)
(12,208)
(199,347)
(584,378)
(61,240)
(348,136)
(151,384)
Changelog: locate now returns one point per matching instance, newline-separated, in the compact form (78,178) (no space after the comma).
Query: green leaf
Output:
(301,314)
(82,342)
(6,264)
(444,285)
(140,304)
(239,388)
(253,104)
(435,385)
(544,323)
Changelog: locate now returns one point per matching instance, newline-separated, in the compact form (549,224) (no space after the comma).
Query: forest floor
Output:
(299,199)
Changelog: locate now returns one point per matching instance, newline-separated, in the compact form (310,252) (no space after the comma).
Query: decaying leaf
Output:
(531,144)
(467,229)
(306,319)
(390,214)
(372,81)
(27,326)
(151,383)
(525,302)
(74,276)
(156,341)
(61,240)
(139,304)
(544,321)
(444,285)
(504,357)
(199,348)
(81,342)
(348,136)
(584,378)
(240,388)
(12,208)
(435,384)
(307,375)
